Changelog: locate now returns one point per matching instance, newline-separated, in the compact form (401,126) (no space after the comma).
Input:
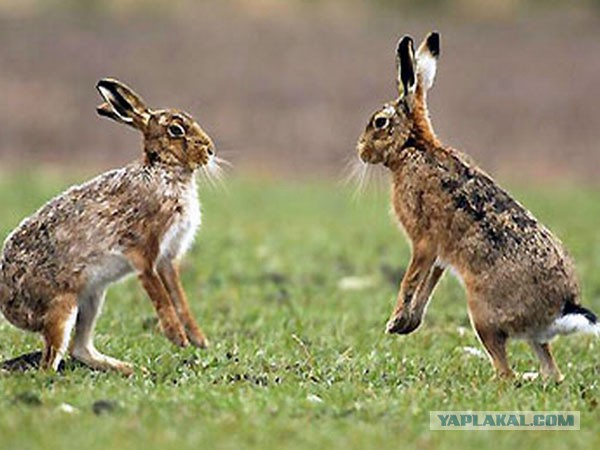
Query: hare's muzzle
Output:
(202,152)
(367,154)
(361,149)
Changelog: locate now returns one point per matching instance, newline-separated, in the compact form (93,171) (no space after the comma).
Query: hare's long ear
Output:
(405,64)
(427,57)
(122,104)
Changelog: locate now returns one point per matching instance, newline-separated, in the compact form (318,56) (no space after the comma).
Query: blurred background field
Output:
(286,86)
(292,277)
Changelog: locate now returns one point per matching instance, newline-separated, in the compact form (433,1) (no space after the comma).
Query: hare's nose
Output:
(210,150)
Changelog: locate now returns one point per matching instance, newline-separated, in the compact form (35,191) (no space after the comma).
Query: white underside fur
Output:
(179,237)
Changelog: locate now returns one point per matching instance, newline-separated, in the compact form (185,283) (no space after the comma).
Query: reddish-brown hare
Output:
(57,264)
(520,281)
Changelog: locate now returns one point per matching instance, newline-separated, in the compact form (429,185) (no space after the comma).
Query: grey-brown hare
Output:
(520,280)
(57,264)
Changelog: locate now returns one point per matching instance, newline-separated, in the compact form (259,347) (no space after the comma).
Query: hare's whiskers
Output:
(213,173)
(222,161)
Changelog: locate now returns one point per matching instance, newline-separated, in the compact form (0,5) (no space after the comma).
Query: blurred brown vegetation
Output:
(288,86)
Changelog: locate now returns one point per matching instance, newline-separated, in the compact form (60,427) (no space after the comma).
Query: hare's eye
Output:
(381,122)
(176,130)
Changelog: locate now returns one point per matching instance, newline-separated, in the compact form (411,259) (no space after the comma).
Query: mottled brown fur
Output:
(517,275)
(140,218)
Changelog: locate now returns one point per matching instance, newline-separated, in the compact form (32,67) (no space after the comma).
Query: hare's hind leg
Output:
(491,336)
(169,274)
(90,305)
(548,365)
(58,324)
(494,342)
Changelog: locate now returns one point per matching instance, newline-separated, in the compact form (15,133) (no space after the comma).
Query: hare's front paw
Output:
(402,324)
(197,338)
(177,336)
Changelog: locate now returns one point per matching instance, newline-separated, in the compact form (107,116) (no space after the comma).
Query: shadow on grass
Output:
(31,361)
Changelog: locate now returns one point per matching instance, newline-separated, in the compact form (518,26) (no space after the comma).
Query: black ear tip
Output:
(405,42)
(405,47)
(433,43)
(106,83)
(103,84)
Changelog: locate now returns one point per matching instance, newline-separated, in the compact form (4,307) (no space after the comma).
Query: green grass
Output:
(263,279)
